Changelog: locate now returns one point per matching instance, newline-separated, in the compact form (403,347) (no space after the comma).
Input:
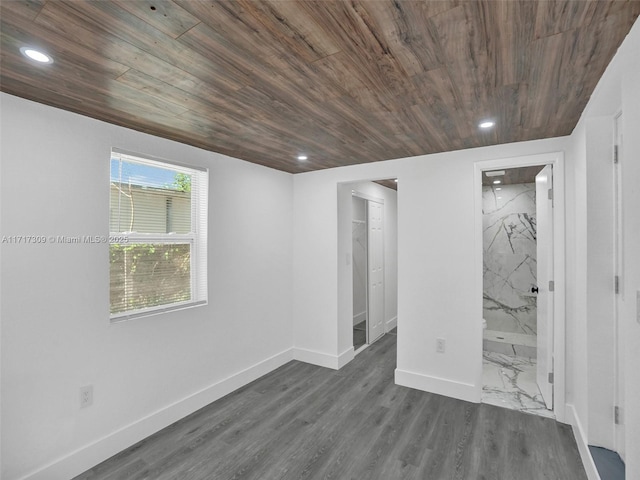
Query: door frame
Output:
(544,206)
(619,399)
(556,159)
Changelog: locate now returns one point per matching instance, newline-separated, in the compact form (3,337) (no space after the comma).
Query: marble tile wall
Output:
(509,265)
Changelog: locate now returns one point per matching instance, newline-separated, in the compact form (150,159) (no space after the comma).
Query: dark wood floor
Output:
(307,422)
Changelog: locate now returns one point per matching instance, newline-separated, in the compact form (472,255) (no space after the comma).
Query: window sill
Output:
(148,312)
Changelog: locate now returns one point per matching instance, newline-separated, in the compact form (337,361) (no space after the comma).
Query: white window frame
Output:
(197,238)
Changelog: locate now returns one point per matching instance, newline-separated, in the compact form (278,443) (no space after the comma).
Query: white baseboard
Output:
(346,356)
(441,386)
(90,455)
(391,324)
(313,357)
(581,441)
(321,359)
(360,317)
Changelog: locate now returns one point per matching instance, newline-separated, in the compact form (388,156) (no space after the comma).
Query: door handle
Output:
(534,289)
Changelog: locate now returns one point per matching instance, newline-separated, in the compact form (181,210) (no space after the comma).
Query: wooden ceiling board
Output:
(165,15)
(343,82)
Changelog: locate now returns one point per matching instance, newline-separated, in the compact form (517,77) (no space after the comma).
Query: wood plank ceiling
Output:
(343,82)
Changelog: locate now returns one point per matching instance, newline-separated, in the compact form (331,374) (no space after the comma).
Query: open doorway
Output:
(368,269)
(553,286)
(372,260)
(517,226)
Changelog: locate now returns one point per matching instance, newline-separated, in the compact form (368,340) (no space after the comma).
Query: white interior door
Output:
(544,223)
(375,271)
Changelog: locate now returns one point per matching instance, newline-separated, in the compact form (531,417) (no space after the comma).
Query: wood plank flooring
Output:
(307,422)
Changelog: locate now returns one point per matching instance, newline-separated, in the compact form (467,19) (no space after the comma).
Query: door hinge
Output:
(615,154)
(552,285)
(616,284)
(551,378)
(616,415)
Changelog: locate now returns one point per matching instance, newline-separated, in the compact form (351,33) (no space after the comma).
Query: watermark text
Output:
(60,239)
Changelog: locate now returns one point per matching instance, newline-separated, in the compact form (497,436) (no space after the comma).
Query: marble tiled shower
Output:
(509,306)
(509,239)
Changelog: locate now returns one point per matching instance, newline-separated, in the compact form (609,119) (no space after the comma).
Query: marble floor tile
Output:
(510,382)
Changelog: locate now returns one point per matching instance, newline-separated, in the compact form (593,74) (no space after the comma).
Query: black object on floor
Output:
(609,464)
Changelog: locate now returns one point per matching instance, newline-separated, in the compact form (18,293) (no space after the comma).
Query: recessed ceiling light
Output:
(495,173)
(486,124)
(302,158)
(499,198)
(36,55)
(498,189)
(497,182)
(395,180)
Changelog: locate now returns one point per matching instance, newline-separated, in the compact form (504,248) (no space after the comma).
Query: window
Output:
(158,236)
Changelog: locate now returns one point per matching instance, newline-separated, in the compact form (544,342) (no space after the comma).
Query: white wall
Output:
(590,389)
(56,334)
(576,270)
(437,294)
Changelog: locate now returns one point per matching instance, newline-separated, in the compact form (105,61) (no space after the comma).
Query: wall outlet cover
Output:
(86,396)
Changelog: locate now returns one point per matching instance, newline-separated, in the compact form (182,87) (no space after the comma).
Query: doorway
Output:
(518,236)
(367,269)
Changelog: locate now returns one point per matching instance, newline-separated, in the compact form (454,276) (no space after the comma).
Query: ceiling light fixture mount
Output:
(485,124)
(302,158)
(36,55)
(497,182)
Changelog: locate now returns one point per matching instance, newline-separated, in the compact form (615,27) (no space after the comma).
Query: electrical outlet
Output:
(86,396)
(440,345)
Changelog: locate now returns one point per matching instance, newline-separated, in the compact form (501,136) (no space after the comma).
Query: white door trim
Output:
(618,270)
(545,300)
(557,160)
